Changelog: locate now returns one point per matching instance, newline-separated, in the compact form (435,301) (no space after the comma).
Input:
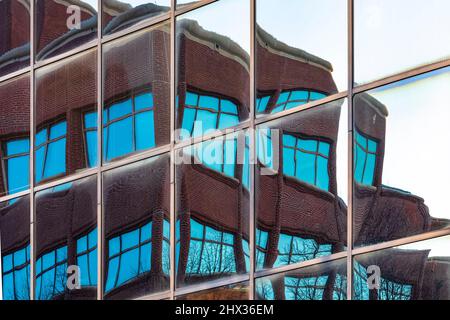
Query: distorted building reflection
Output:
(65,96)
(15,248)
(14,35)
(326,281)
(213,92)
(212,195)
(118,15)
(300,215)
(137,229)
(66,235)
(382,213)
(62,26)
(419,271)
(288,77)
(15,135)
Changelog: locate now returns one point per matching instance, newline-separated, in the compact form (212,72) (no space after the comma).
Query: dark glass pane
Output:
(213,68)
(66,237)
(212,203)
(14,35)
(301,186)
(238,291)
(119,15)
(137,229)
(66,107)
(136,109)
(326,281)
(394,36)
(301,52)
(15,248)
(399,184)
(62,26)
(15,135)
(416,271)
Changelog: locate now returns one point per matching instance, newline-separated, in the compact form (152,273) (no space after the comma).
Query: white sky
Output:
(438,246)
(316,26)
(392,36)
(230,18)
(417,154)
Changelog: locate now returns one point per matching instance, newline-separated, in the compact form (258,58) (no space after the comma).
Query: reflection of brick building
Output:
(15,35)
(382,213)
(299,213)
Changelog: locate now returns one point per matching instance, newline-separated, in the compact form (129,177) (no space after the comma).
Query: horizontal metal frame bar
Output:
(15,195)
(401,76)
(190,7)
(16,74)
(400,242)
(300,265)
(155,296)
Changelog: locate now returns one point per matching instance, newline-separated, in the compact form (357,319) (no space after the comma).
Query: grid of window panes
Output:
(303,127)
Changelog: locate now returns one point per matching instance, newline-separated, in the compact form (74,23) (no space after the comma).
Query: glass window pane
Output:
(208,245)
(62,26)
(65,219)
(15,243)
(239,291)
(326,281)
(14,128)
(136,78)
(408,28)
(220,79)
(301,51)
(136,255)
(415,271)
(118,16)
(398,179)
(306,186)
(66,105)
(14,36)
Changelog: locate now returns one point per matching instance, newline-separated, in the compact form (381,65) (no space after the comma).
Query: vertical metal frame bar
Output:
(172,151)
(252,155)
(350,150)
(100,215)
(32,133)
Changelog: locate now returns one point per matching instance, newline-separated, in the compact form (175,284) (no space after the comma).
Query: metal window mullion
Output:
(350,149)
(172,213)
(32,279)
(252,151)
(100,218)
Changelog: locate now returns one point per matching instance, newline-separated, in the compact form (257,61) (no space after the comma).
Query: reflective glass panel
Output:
(185,3)
(14,35)
(119,15)
(212,203)
(326,281)
(66,241)
(62,26)
(394,36)
(66,99)
(239,291)
(137,229)
(301,52)
(212,58)
(15,135)
(136,107)
(416,271)
(15,248)
(399,184)
(301,186)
